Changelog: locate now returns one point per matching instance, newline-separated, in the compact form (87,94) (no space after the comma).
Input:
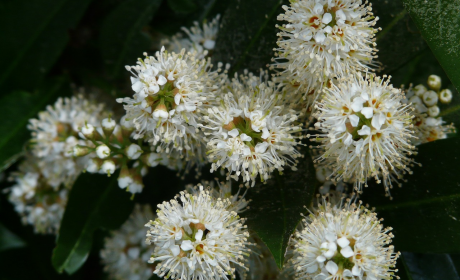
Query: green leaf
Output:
(425,212)
(34,34)
(9,240)
(95,201)
(276,206)
(122,40)
(248,34)
(439,23)
(16,108)
(182,6)
(429,266)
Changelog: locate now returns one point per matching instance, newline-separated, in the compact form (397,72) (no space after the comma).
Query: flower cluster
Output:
(125,253)
(428,126)
(197,237)
(199,39)
(251,133)
(365,131)
(342,240)
(322,40)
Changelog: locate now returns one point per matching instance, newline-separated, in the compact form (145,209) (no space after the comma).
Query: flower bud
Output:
(93,165)
(108,167)
(434,82)
(79,151)
(430,98)
(133,151)
(127,127)
(160,112)
(433,111)
(419,90)
(445,96)
(103,151)
(137,185)
(108,125)
(88,131)
(151,159)
(125,179)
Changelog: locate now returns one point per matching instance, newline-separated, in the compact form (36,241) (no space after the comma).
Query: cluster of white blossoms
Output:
(323,40)
(200,40)
(342,240)
(365,131)
(251,132)
(195,236)
(172,91)
(125,252)
(428,126)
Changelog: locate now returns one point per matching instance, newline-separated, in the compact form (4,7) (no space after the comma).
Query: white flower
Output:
(200,40)
(365,131)
(133,151)
(251,133)
(346,236)
(321,40)
(125,252)
(103,151)
(197,238)
(108,167)
(36,201)
(171,93)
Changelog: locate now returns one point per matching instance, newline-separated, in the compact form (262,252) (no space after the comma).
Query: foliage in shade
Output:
(428,267)
(9,240)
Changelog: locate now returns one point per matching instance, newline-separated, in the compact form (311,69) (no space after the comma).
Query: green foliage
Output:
(95,202)
(9,240)
(428,267)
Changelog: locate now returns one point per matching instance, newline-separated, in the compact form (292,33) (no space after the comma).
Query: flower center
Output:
(164,97)
(244,125)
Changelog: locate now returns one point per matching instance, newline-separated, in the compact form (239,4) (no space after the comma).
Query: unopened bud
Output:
(103,151)
(433,111)
(125,179)
(127,127)
(419,90)
(445,96)
(133,151)
(88,131)
(108,125)
(79,151)
(137,185)
(434,82)
(108,167)
(151,159)
(160,112)
(430,98)
(93,165)
(229,126)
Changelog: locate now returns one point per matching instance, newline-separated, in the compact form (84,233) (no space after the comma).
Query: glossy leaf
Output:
(34,34)
(95,201)
(122,40)
(16,108)
(248,34)
(429,266)
(276,206)
(425,212)
(439,23)
(9,240)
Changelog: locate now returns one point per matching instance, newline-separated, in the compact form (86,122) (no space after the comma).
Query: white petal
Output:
(332,267)
(365,130)
(327,29)
(365,96)
(357,104)
(137,86)
(245,137)
(312,268)
(161,80)
(320,37)
(347,252)
(354,120)
(175,250)
(199,235)
(234,132)
(348,140)
(261,147)
(320,259)
(356,271)
(343,242)
(265,133)
(368,112)
(331,237)
(318,9)
(327,17)
(177,99)
(186,245)
(209,44)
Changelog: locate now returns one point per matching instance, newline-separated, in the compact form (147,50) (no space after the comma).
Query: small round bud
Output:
(103,151)
(430,98)
(434,82)
(79,151)
(126,124)
(93,165)
(108,167)
(125,179)
(433,111)
(108,125)
(445,96)
(133,151)
(160,112)
(137,185)
(151,159)
(417,103)
(88,131)
(419,90)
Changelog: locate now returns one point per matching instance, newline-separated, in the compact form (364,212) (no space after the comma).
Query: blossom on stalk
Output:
(172,90)
(125,252)
(196,237)
(322,40)
(199,39)
(365,131)
(342,240)
(251,133)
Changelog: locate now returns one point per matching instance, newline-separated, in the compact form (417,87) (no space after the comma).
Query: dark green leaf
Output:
(182,6)
(429,266)
(9,240)
(425,212)
(16,108)
(248,34)
(34,33)
(122,40)
(95,201)
(439,23)
(276,206)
